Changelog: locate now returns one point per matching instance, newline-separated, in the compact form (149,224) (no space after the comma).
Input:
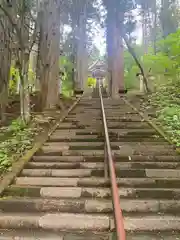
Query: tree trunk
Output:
(33,64)
(109,39)
(118,66)
(155,26)
(145,31)
(24,56)
(5,64)
(81,59)
(115,53)
(24,87)
(49,53)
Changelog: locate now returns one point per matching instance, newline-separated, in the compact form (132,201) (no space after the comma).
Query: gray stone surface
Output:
(10,221)
(151,223)
(57,172)
(43,181)
(63,192)
(165,173)
(58,158)
(99,206)
(74,221)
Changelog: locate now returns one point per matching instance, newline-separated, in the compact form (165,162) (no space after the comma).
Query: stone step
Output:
(97,192)
(75,235)
(100,144)
(128,206)
(119,119)
(98,182)
(155,235)
(100,165)
(113,138)
(55,222)
(44,235)
(60,138)
(128,173)
(63,151)
(94,122)
(124,150)
(122,118)
(119,158)
(85,222)
(135,132)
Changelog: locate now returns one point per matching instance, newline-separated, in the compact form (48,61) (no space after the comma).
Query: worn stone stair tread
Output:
(56,221)
(69,221)
(57,172)
(53,165)
(101,144)
(88,172)
(83,205)
(58,158)
(153,236)
(29,235)
(122,139)
(152,223)
(98,181)
(120,158)
(100,165)
(88,192)
(126,150)
(95,129)
(44,235)
(56,137)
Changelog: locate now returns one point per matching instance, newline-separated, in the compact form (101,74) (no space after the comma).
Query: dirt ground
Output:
(13,108)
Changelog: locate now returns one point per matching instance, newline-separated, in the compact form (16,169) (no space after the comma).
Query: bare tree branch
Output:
(132,52)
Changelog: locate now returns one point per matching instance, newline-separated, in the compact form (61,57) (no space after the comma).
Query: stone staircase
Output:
(62,194)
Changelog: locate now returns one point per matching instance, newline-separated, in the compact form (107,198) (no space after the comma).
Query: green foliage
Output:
(13,81)
(131,69)
(20,140)
(167,101)
(66,67)
(91,82)
(14,78)
(165,67)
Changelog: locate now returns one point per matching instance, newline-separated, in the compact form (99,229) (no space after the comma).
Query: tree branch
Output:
(132,52)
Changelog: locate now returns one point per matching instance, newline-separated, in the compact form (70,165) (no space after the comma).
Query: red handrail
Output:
(118,217)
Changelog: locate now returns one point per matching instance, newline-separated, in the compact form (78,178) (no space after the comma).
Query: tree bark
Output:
(81,59)
(115,52)
(118,66)
(5,63)
(24,56)
(109,39)
(33,64)
(155,26)
(49,53)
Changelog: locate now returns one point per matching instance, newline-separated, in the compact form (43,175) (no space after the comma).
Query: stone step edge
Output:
(50,235)
(89,192)
(123,158)
(100,165)
(96,182)
(64,221)
(79,235)
(89,206)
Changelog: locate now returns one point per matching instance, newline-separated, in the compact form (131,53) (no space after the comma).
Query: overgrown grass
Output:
(167,102)
(19,140)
